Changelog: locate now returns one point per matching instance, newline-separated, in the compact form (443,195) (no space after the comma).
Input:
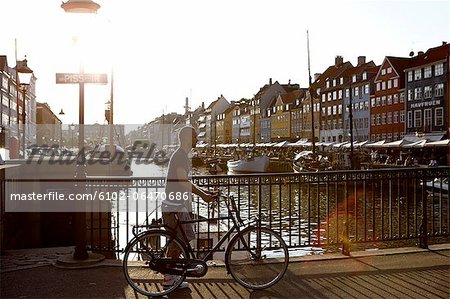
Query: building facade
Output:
(387,103)
(426,87)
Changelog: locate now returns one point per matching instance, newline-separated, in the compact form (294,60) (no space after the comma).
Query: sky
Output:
(164,51)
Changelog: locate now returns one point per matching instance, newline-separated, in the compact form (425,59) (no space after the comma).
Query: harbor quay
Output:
(385,273)
(348,232)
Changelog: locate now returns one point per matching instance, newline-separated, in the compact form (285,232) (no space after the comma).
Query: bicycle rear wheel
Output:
(257,258)
(138,255)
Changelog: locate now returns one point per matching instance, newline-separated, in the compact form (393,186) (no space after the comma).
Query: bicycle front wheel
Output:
(139,253)
(257,258)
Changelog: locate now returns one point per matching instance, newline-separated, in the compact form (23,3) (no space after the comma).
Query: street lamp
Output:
(80,6)
(83,7)
(61,113)
(72,128)
(24,73)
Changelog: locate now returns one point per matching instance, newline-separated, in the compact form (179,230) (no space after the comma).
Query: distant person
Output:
(178,194)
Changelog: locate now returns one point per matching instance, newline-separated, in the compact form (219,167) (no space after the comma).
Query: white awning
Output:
(445,142)
(376,144)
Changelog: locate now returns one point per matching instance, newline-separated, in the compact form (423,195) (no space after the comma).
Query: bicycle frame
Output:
(236,227)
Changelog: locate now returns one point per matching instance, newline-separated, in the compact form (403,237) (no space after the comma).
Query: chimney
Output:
(444,43)
(420,53)
(270,81)
(316,76)
(361,60)
(338,60)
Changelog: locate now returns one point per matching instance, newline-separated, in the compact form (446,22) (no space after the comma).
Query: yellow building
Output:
(224,126)
(280,117)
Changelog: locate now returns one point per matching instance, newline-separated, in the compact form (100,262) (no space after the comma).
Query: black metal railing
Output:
(333,209)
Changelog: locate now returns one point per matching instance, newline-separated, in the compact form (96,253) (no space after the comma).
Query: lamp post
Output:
(61,113)
(72,128)
(24,73)
(83,7)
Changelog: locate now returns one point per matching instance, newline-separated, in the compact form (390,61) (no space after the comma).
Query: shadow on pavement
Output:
(301,281)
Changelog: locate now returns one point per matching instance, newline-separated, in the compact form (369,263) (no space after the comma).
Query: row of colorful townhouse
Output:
(402,96)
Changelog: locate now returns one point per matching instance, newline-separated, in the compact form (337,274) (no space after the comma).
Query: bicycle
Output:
(256,257)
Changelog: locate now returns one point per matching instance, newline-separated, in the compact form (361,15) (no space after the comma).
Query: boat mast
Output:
(313,129)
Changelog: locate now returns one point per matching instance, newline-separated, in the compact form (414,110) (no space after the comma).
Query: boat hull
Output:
(257,164)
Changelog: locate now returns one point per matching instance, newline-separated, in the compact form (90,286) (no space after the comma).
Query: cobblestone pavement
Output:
(394,273)
(21,259)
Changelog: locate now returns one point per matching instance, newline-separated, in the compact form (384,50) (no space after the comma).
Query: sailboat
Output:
(250,163)
(309,160)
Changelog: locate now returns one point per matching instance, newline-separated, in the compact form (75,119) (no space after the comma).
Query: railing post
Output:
(423,234)
(345,238)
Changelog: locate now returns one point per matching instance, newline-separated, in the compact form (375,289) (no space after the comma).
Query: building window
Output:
(410,76)
(427,119)
(372,119)
(383,85)
(378,86)
(418,74)
(383,101)
(378,101)
(418,118)
(389,84)
(439,90)
(389,70)
(427,92)
(378,118)
(328,84)
(364,76)
(410,119)
(356,92)
(334,95)
(354,78)
(339,109)
(395,117)
(402,97)
(418,93)
(366,89)
(383,71)
(372,102)
(395,98)
(427,72)
(389,99)
(383,118)
(334,82)
(439,69)
(439,117)
(402,116)
(329,96)
(395,83)
(389,118)
(395,135)
(347,93)
(340,94)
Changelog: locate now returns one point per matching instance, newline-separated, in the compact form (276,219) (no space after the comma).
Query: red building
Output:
(387,104)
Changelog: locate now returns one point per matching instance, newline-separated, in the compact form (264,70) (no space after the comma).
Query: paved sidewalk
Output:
(392,273)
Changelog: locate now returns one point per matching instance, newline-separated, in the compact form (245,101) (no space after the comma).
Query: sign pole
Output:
(80,175)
